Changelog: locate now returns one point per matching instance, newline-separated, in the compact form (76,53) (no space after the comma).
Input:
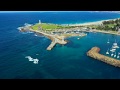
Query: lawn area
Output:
(46,26)
(111,25)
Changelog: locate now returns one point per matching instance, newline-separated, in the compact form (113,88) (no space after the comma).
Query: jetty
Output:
(54,38)
(94,53)
(56,33)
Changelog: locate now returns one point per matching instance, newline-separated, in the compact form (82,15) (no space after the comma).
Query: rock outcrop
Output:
(94,53)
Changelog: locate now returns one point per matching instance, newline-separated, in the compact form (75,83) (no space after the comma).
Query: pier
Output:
(57,37)
(94,53)
(54,38)
(51,45)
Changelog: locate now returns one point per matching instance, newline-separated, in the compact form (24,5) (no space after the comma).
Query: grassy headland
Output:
(108,25)
(49,26)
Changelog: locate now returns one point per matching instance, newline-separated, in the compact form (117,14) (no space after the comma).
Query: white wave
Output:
(30,32)
(19,28)
(29,58)
(35,61)
(36,35)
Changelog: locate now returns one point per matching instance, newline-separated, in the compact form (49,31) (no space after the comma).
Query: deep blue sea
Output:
(62,62)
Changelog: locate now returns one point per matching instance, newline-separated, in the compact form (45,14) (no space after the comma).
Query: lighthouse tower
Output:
(39,21)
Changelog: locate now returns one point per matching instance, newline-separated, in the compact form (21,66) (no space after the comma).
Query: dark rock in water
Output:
(23,29)
(72,44)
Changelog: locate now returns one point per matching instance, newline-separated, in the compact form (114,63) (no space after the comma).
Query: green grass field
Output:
(48,27)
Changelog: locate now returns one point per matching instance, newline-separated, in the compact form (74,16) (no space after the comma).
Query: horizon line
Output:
(52,11)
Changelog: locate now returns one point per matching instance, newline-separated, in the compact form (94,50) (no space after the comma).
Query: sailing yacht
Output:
(107,52)
(118,55)
(115,54)
(112,50)
(108,41)
(112,54)
(115,45)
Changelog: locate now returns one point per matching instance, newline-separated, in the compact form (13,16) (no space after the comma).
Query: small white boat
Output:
(108,41)
(115,43)
(117,47)
(29,58)
(35,61)
(112,50)
(118,55)
(112,54)
(115,54)
(114,46)
(107,52)
(78,38)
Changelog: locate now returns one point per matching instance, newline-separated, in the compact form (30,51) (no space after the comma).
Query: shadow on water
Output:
(36,75)
(71,44)
(21,77)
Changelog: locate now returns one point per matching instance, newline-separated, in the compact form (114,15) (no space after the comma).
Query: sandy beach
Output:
(91,23)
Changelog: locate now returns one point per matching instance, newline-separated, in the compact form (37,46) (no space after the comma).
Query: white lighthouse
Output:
(39,21)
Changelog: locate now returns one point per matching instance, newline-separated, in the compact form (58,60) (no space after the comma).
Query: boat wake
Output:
(35,61)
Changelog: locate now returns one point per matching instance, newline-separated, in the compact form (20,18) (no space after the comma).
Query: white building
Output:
(39,21)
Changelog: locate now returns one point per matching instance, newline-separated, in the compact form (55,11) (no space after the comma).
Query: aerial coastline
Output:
(98,23)
(63,31)
(56,33)
(56,45)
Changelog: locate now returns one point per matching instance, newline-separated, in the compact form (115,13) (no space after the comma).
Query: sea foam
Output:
(35,61)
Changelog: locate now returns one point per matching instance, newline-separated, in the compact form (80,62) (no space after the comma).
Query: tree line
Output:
(109,25)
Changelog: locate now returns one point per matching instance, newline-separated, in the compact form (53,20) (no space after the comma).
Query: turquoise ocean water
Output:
(62,62)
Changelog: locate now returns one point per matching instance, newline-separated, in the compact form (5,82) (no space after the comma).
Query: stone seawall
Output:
(94,53)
